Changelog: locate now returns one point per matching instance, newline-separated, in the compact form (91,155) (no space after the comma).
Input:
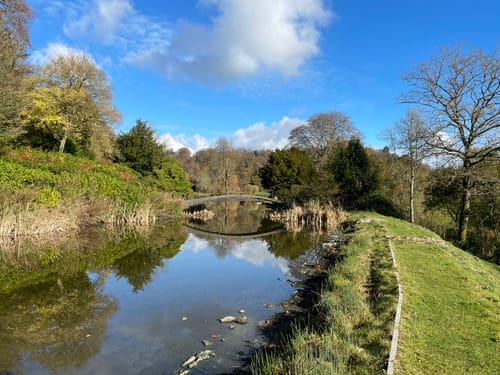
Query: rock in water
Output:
(194,361)
(241,320)
(188,361)
(207,342)
(227,319)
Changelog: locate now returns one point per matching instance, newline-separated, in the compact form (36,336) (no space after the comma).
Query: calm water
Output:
(128,303)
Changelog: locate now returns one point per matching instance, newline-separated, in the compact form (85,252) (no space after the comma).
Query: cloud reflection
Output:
(254,251)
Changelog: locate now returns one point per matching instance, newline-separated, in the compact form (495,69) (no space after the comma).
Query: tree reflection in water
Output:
(59,324)
(54,314)
(138,267)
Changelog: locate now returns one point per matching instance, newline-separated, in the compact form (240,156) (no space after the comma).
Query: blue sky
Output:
(252,70)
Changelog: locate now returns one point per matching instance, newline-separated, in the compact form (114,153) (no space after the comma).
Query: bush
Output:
(48,196)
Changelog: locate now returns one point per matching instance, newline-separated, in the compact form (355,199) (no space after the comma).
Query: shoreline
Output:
(301,310)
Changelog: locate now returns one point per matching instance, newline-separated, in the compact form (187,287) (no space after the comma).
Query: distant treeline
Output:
(440,168)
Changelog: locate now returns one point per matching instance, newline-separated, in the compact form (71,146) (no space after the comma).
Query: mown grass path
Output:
(450,321)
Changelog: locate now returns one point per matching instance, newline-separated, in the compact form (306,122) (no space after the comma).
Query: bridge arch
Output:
(232,197)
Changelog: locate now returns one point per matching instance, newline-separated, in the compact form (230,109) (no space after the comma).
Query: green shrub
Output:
(48,196)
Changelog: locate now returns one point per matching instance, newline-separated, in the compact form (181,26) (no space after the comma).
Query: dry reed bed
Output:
(313,215)
(31,219)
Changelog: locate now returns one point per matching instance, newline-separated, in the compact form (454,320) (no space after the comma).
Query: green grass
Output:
(357,306)
(450,320)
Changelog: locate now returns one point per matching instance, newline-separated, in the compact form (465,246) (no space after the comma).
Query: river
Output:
(125,302)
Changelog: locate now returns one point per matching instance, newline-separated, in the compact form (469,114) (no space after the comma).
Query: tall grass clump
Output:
(312,215)
(132,216)
(28,215)
(356,308)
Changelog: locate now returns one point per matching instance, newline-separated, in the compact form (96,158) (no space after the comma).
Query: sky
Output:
(252,70)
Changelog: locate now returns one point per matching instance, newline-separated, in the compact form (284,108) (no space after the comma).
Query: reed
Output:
(313,216)
(136,216)
(23,219)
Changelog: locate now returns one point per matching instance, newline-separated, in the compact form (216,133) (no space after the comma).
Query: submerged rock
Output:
(241,320)
(207,342)
(227,319)
(194,361)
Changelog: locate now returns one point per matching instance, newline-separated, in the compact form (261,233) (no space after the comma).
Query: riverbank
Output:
(352,317)
(450,315)
(46,193)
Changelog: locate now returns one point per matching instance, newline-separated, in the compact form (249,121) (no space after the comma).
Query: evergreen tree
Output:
(354,174)
(139,150)
(170,176)
(288,173)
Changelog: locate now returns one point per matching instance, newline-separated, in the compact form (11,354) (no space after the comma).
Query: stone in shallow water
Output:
(241,320)
(227,319)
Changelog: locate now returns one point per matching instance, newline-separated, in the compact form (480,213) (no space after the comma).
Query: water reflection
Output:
(253,251)
(59,324)
(139,266)
(54,306)
(112,302)
(237,218)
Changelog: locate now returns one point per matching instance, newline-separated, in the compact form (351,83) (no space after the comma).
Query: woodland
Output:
(60,152)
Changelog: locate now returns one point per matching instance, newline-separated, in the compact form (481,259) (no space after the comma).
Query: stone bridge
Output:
(233,197)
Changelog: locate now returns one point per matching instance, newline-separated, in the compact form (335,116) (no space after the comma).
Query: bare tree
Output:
(320,131)
(14,42)
(225,163)
(462,93)
(407,138)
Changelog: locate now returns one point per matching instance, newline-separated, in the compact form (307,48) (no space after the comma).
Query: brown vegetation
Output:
(313,215)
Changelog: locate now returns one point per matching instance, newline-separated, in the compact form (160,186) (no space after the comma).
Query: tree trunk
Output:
(63,143)
(463,219)
(412,195)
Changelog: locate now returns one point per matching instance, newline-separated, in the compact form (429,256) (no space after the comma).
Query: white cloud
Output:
(245,38)
(256,137)
(194,244)
(176,142)
(105,19)
(259,136)
(256,252)
(53,50)
(114,23)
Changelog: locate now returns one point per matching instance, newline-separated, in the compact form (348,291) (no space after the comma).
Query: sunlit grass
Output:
(355,336)
(450,319)
(451,309)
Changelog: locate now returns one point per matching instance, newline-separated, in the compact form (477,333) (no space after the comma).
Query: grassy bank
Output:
(44,192)
(450,318)
(356,306)
(451,310)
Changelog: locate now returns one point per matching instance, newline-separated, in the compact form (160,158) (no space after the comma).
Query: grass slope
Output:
(450,317)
